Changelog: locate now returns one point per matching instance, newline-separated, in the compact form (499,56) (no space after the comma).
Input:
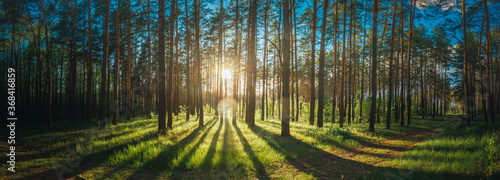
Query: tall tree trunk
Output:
(401,94)
(292,63)
(176,96)
(408,70)
(434,91)
(90,71)
(102,96)
(396,84)
(171,64)
(72,85)
(489,67)
(264,70)
(47,56)
(198,62)
(466,75)
(188,72)
(321,75)
(391,56)
(342,76)
(374,67)
(128,88)
(285,67)
(498,80)
(60,83)
(219,69)
(422,82)
(296,62)
(161,69)
(350,83)
(480,73)
(149,96)
(355,68)
(274,82)
(313,62)
(117,64)
(39,93)
(363,72)
(252,65)
(335,60)
(236,75)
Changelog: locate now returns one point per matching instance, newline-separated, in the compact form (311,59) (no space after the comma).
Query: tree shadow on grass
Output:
(360,140)
(84,163)
(137,156)
(327,140)
(311,160)
(87,162)
(207,160)
(51,152)
(185,159)
(261,170)
(227,168)
(44,137)
(224,149)
(68,138)
(164,160)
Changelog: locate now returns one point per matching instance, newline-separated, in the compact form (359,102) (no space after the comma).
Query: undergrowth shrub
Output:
(490,155)
(340,132)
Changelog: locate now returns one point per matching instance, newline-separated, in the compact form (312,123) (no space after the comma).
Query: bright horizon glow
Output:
(226,74)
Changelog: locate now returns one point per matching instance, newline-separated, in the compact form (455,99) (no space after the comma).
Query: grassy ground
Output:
(231,150)
(454,153)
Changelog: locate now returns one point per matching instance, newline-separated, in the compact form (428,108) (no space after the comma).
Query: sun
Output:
(226,74)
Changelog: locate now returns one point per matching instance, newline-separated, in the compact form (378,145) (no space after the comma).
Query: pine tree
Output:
(374,67)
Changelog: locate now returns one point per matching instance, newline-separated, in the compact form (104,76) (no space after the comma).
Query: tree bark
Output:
(236,64)
(466,75)
(252,65)
(374,67)
(321,75)
(313,62)
(117,65)
(408,89)
(128,88)
(363,73)
(188,71)
(161,69)
(171,64)
(285,65)
(198,63)
(391,55)
(264,70)
(335,60)
(343,71)
(297,102)
(489,67)
(72,80)
(47,56)
(102,97)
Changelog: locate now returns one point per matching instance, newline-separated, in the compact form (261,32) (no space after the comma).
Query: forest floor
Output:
(439,148)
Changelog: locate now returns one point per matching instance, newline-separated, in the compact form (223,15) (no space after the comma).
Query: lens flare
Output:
(226,74)
(226,104)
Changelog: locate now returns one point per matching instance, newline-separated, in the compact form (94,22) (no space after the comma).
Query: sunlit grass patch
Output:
(456,151)
(136,155)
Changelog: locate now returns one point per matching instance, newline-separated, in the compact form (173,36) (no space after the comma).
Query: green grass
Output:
(133,150)
(456,153)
